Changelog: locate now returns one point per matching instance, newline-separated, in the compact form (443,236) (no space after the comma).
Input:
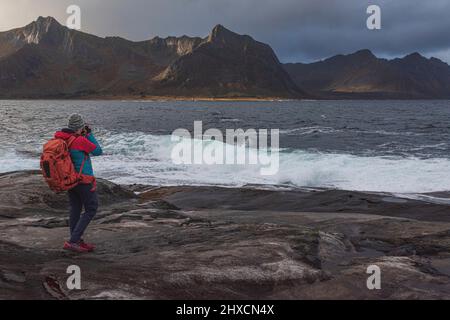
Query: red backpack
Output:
(57,167)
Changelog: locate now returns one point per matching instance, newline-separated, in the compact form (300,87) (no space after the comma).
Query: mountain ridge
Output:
(45,59)
(363,75)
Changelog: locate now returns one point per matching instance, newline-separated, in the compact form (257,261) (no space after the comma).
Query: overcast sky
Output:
(298,30)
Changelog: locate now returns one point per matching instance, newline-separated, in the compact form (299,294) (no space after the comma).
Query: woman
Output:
(82,147)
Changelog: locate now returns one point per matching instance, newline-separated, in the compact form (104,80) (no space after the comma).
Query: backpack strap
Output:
(82,164)
(70,141)
(69,144)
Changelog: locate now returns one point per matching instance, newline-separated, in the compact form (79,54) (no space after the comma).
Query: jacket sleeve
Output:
(98,150)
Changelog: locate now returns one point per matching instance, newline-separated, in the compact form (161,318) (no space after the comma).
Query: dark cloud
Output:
(298,30)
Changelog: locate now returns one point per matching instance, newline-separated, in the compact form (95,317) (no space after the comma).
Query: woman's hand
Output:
(86,131)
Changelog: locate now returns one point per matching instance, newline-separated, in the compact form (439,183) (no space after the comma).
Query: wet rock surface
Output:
(194,243)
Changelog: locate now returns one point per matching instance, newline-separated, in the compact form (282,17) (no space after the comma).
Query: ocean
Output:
(398,147)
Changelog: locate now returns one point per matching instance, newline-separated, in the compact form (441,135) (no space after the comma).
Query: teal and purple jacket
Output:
(81,147)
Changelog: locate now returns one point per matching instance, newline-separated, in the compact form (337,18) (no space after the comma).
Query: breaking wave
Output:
(141,158)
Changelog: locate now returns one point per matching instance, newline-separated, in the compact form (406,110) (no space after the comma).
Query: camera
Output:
(86,130)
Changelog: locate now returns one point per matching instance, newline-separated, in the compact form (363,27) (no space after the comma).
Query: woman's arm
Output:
(98,150)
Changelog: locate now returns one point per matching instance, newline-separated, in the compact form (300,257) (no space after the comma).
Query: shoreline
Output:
(437,197)
(155,98)
(202,99)
(441,197)
(297,200)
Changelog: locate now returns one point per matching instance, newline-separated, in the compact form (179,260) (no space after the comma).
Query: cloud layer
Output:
(298,30)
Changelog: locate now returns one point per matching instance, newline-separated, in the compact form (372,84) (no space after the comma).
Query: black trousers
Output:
(79,197)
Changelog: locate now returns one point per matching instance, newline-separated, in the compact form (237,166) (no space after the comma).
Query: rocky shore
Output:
(205,243)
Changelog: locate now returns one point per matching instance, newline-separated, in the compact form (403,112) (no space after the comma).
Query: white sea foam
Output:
(13,161)
(330,130)
(309,130)
(145,159)
(230,120)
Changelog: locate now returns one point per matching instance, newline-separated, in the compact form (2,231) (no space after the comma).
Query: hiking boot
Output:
(75,247)
(89,246)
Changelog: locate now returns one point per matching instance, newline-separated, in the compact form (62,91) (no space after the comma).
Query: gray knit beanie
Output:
(76,122)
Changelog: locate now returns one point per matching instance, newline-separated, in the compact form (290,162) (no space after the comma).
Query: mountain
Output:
(229,64)
(46,59)
(363,75)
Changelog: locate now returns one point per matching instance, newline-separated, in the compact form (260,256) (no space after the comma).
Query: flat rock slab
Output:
(149,247)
